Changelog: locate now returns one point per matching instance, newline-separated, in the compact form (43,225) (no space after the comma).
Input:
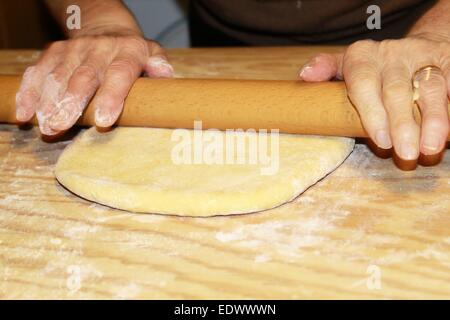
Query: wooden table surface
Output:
(368,230)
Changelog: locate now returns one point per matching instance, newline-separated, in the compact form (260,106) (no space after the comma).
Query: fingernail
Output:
(24,101)
(102,118)
(383,140)
(66,112)
(21,114)
(159,68)
(305,70)
(43,124)
(61,119)
(431,143)
(408,151)
(106,118)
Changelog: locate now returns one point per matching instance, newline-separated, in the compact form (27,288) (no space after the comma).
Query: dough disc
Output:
(132,169)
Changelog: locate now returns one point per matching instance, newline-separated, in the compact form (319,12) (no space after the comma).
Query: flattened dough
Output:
(132,169)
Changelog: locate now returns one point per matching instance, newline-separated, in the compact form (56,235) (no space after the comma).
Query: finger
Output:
(447,77)
(119,78)
(363,81)
(322,67)
(397,100)
(445,65)
(81,87)
(432,91)
(157,65)
(29,93)
(52,93)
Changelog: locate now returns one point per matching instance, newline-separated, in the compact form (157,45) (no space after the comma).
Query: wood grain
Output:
(288,106)
(367,215)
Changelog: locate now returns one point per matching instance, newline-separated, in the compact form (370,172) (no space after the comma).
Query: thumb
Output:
(322,67)
(157,65)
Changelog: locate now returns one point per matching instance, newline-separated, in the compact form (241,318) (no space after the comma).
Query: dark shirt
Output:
(291,22)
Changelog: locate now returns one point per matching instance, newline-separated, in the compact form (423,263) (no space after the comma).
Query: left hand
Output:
(378,76)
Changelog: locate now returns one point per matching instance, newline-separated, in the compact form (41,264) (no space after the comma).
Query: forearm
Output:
(98,17)
(435,22)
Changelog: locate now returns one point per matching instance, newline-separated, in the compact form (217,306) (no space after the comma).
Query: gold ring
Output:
(423,73)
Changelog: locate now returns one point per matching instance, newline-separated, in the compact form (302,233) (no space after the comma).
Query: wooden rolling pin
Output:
(290,106)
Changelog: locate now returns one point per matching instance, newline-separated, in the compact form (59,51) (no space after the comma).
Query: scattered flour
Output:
(285,237)
(80,230)
(262,258)
(129,291)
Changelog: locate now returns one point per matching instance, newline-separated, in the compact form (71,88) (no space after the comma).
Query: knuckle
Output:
(361,86)
(433,105)
(30,71)
(121,64)
(86,72)
(125,69)
(137,44)
(372,125)
(359,45)
(154,45)
(405,133)
(57,73)
(444,49)
(75,44)
(436,120)
(356,67)
(108,98)
(389,43)
(403,125)
(57,45)
(373,114)
(396,87)
(434,87)
(30,78)
(114,84)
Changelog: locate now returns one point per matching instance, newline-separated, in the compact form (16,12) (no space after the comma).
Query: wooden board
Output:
(368,230)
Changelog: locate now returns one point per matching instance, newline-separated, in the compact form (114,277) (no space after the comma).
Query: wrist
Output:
(105,30)
(105,17)
(433,36)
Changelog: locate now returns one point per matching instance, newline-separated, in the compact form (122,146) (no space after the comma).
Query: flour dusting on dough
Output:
(133,169)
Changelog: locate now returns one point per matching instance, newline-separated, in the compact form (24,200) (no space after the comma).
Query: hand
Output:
(71,72)
(378,76)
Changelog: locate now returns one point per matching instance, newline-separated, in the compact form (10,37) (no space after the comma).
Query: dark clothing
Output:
(291,22)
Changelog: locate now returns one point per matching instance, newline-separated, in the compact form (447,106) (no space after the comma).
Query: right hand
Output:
(71,72)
